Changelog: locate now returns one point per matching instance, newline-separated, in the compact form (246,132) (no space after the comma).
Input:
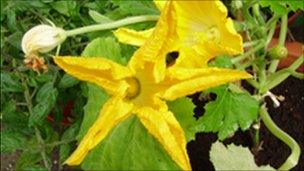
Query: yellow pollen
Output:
(134,88)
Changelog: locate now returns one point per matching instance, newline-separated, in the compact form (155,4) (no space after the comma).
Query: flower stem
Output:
(112,25)
(293,158)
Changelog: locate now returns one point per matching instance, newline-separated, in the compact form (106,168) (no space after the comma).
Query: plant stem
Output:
(40,141)
(283,32)
(250,52)
(270,33)
(297,74)
(257,13)
(112,25)
(278,77)
(251,43)
(262,76)
(253,83)
(293,158)
(272,19)
(273,66)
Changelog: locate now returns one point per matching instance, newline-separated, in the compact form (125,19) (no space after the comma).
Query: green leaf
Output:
(233,158)
(44,91)
(68,135)
(67,81)
(283,7)
(10,83)
(66,8)
(100,6)
(99,18)
(11,141)
(15,39)
(277,7)
(136,7)
(45,77)
(64,152)
(27,160)
(8,107)
(128,146)
(228,112)
(71,132)
(44,107)
(16,121)
(104,47)
(183,111)
(295,5)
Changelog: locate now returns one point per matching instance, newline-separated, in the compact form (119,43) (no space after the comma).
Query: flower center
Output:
(134,88)
(207,34)
(213,34)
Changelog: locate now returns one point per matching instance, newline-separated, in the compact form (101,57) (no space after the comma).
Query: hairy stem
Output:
(112,25)
(293,158)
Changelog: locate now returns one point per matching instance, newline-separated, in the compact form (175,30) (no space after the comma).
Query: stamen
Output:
(213,34)
(134,88)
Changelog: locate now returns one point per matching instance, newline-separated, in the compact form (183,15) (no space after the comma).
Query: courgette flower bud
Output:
(42,38)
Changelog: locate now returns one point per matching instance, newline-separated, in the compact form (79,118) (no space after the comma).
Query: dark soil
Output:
(289,117)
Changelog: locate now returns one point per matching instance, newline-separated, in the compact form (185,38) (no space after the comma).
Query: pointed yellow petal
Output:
(112,113)
(154,50)
(166,129)
(133,37)
(188,81)
(100,71)
(160,4)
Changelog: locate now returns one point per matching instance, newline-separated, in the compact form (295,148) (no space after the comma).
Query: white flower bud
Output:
(42,38)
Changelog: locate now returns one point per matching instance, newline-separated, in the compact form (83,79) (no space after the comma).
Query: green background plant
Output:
(28,97)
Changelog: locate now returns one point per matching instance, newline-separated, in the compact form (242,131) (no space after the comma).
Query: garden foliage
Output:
(45,114)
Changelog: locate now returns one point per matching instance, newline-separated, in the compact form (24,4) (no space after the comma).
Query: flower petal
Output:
(160,4)
(188,81)
(101,71)
(155,49)
(189,58)
(133,37)
(166,129)
(231,42)
(209,29)
(113,112)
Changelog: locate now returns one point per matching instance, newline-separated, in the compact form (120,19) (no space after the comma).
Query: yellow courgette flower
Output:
(200,30)
(141,88)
